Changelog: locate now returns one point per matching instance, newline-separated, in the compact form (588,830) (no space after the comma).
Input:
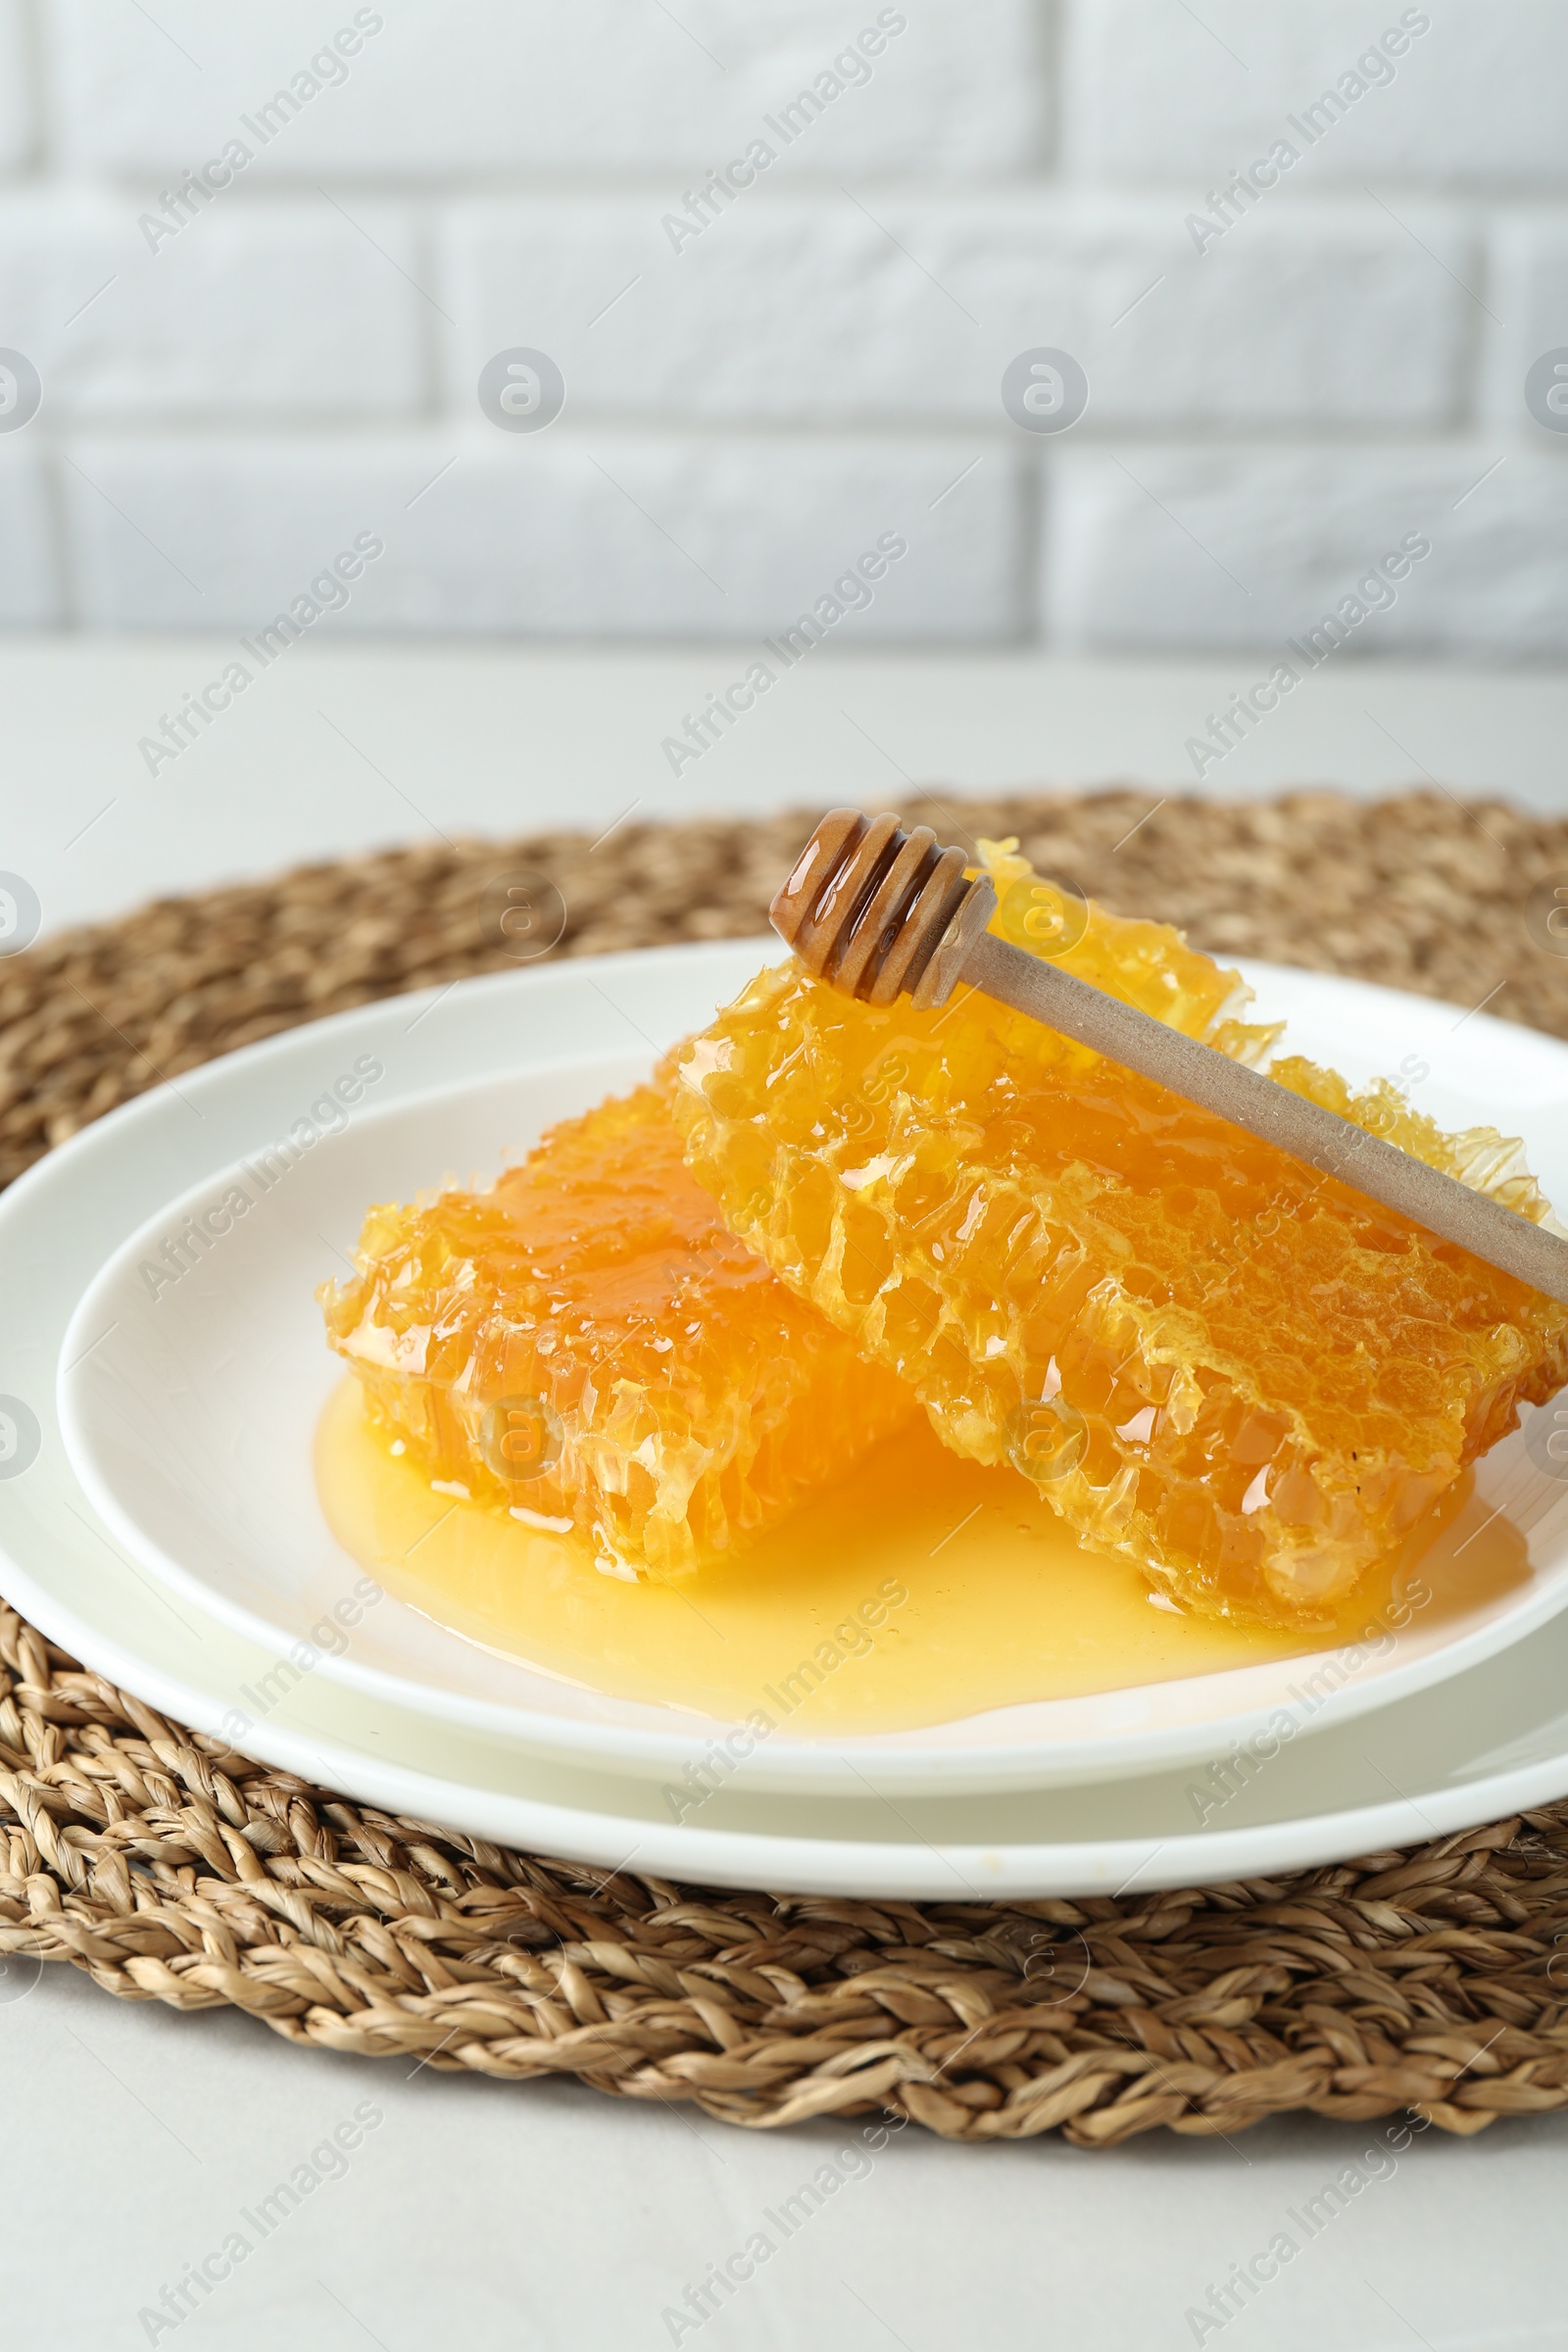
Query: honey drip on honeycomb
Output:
(1246,1377)
(586,1345)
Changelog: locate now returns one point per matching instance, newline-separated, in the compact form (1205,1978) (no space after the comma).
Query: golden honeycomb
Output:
(1246,1376)
(586,1345)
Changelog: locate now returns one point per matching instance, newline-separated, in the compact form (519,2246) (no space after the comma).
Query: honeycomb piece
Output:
(1246,1376)
(587,1344)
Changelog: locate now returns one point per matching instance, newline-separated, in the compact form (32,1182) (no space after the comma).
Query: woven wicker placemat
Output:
(172,1869)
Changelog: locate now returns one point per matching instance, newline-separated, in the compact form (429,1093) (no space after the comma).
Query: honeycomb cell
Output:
(587,1345)
(1246,1376)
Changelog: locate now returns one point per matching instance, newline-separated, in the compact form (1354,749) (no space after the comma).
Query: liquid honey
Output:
(921,1587)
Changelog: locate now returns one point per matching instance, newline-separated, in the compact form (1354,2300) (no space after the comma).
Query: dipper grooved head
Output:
(881,912)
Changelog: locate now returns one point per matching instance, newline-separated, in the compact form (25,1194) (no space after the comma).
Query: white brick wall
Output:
(532,89)
(270,310)
(238,381)
(1169,547)
(30,593)
(15,128)
(804,311)
(1530,292)
(551,536)
(1473,102)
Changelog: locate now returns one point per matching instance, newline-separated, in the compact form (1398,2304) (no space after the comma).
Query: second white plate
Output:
(1487,1743)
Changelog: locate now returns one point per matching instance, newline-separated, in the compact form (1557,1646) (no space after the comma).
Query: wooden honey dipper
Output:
(881,912)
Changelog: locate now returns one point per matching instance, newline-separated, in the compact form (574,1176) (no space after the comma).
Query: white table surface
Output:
(482,2215)
(339,747)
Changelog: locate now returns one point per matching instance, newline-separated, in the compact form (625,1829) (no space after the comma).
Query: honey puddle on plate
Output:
(1000,1602)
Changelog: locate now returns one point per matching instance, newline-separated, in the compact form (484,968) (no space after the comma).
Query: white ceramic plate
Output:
(188,1415)
(1488,1742)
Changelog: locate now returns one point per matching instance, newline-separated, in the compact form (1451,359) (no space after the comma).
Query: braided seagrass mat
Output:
(171,1869)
